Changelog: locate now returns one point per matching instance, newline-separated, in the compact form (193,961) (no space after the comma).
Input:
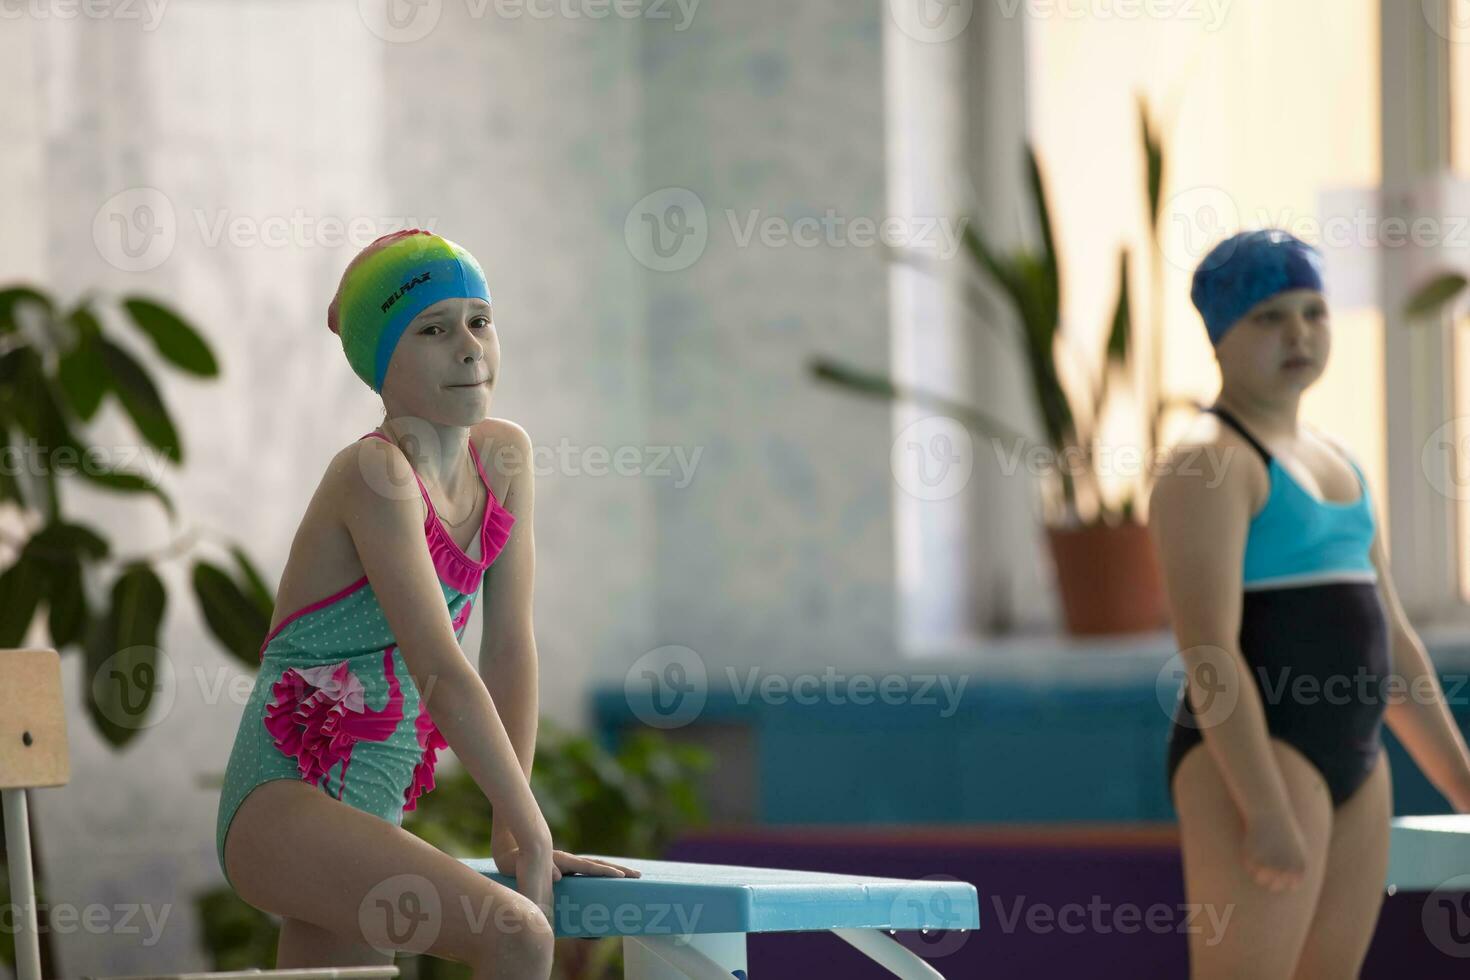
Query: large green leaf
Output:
(58,551)
(876,386)
(176,340)
(20,593)
(125,482)
(1153,155)
(254,582)
(1004,276)
(1119,334)
(140,399)
(66,602)
(84,542)
(15,296)
(122,655)
(1051,278)
(33,401)
(239,623)
(9,485)
(1433,295)
(81,371)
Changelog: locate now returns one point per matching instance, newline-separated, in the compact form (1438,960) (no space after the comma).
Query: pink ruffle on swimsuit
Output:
(329,698)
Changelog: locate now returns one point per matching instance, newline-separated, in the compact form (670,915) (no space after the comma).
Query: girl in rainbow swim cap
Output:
(1290,631)
(338,738)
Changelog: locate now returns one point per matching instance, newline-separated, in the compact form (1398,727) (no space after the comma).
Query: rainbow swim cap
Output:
(388,283)
(1247,268)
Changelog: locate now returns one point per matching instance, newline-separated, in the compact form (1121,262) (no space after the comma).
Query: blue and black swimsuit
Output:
(1312,629)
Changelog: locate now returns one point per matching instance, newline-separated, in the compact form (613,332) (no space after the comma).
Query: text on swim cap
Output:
(397,294)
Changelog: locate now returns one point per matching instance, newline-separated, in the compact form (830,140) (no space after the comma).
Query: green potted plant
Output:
(1107,572)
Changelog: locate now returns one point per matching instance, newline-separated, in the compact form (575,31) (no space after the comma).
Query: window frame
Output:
(1424,524)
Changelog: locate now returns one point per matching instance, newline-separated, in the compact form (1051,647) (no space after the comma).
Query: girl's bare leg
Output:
(1265,930)
(1352,891)
(295,852)
(303,944)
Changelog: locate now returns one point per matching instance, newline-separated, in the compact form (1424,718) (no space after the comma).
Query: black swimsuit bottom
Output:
(1319,654)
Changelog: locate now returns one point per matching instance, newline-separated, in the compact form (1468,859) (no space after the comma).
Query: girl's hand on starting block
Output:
(564,862)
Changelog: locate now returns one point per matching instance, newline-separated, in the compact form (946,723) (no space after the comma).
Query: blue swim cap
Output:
(1247,268)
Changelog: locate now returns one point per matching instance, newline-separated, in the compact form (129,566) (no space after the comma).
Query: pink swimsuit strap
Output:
(453,564)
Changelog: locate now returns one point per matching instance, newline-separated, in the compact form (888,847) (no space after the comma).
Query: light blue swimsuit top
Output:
(1299,539)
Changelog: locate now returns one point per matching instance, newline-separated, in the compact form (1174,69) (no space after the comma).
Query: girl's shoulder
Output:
(1198,464)
(500,435)
(505,454)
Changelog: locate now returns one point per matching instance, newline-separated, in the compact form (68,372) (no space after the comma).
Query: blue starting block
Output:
(689,921)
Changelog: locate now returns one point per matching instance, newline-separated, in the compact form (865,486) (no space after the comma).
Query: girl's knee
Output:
(305,944)
(517,941)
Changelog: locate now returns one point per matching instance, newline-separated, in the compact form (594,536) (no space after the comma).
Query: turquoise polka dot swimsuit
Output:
(334,704)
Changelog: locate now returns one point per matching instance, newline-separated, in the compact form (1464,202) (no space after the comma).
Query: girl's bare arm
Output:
(1417,712)
(1199,532)
(388,531)
(508,659)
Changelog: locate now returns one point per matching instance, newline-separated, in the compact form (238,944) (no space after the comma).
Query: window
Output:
(1259,114)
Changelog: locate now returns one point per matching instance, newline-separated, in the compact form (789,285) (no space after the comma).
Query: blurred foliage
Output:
(1430,300)
(1029,280)
(631,803)
(59,366)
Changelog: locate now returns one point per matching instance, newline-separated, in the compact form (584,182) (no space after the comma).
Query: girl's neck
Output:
(1268,420)
(450,470)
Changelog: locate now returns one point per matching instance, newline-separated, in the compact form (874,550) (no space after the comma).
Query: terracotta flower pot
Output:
(1109,579)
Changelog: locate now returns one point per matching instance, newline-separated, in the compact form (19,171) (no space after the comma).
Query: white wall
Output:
(529,141)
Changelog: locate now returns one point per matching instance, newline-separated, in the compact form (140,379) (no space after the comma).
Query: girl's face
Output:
(445,365)
(1280,345)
